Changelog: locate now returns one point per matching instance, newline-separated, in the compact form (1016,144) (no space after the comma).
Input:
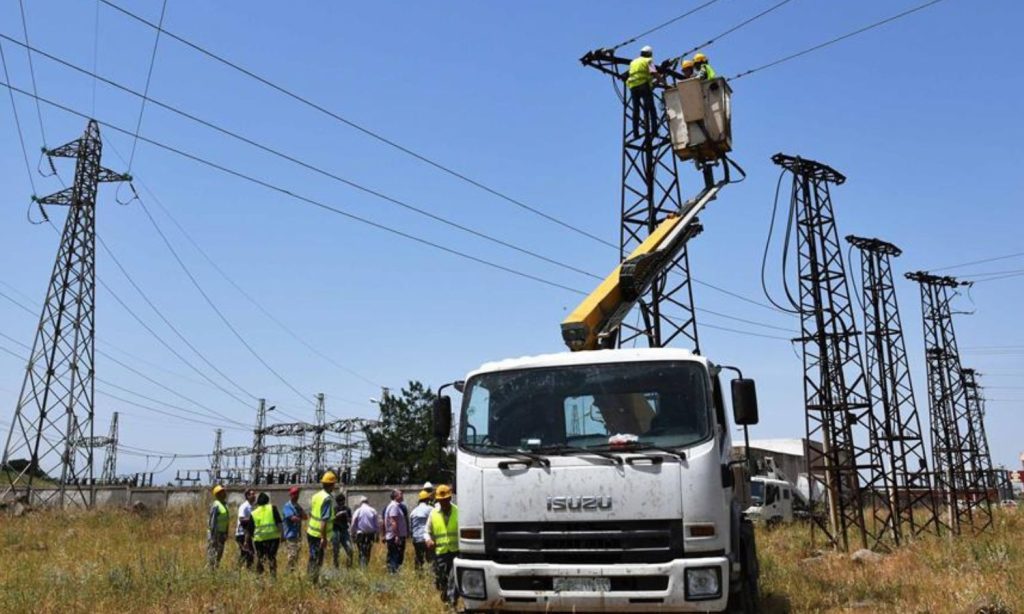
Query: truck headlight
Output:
(471,584)
(703,583)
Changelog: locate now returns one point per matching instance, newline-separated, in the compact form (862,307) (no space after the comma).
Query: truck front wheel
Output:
(745,596)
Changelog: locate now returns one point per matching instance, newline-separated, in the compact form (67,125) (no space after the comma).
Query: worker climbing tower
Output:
(959,469)
(848,466)
(911,495)
(650,194)
(650,191)
(55,407)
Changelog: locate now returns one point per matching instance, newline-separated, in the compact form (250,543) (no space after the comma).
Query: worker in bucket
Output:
(687,69)
(704,70)
(640,81)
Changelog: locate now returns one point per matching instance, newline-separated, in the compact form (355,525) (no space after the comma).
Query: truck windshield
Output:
(660,403)
(757,492)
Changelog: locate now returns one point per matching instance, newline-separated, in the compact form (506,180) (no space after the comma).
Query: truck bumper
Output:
(657,587)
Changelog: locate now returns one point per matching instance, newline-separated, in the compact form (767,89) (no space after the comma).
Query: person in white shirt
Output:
(243,530)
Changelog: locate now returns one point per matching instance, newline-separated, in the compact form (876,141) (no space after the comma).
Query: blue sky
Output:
(922,115)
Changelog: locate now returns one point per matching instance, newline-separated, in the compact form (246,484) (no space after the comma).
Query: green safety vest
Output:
(222,517)
(317,527)
(446,536)
(709,73)
(639,72)
(263,526)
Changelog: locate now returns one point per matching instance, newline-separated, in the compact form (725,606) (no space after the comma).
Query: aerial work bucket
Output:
(700,118)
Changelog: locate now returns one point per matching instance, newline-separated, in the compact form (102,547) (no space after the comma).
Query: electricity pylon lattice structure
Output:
(650,192)
(959,468)
(55,406)
(848,466)
(911,496)
(109,474)
(976,415)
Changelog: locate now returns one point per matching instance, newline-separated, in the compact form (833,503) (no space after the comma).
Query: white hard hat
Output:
(646,49)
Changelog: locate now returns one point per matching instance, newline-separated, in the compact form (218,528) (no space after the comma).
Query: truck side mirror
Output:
(442,417)
(744,402)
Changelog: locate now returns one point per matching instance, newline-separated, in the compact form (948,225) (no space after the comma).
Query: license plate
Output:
(582,584)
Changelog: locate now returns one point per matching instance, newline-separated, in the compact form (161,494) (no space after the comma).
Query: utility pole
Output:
(110,462)
(650,192)
(976,415)
(217,458)
(959,468)
(911,495)
(256,470)
(838,409)
(55,407)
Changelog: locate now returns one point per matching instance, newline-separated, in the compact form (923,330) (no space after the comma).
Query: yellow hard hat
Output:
(424,495)
(443,492)
(329,478)
(217,490)
(700,57)
(687,64)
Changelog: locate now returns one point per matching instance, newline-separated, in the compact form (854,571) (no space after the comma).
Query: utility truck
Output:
(601,479)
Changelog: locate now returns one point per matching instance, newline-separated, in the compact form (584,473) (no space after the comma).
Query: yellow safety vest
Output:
(708,72)
(222,517)
(639,72)
(264,527)
(317,527)
(446,536)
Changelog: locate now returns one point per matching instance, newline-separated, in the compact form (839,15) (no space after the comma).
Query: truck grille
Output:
(639,541)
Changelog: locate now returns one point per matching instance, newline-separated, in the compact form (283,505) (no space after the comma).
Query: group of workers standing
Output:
(433,526)
(642,75)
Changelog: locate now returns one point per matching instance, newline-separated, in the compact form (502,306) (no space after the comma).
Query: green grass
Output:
(115,561)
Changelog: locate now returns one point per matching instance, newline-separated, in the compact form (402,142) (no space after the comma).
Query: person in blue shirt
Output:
(293,517)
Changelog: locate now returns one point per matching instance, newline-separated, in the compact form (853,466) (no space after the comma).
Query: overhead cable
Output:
(714,39)
(837,39)
(364,130)
(149,78)
(665,24)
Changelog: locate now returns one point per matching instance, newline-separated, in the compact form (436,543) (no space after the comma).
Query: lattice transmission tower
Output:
(959,468)
(217,458)
(848,466)
(55,407)
(650,192)
(109,474)
(976,415)
(258,438)
(911,496)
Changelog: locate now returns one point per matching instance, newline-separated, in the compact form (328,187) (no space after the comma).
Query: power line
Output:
(17,124)
(304,164)
(837,39)
(31,68)
(714,39)
(343,180)
(330,208)
(149,78)
(665,24)
(982,261)
(364,130)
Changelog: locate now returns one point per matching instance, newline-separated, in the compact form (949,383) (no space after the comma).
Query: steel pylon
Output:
(960,471)
(848,466)
(55,407)
(650,192)
(911,495)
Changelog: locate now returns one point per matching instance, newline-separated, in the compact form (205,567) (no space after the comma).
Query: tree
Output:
(402,445)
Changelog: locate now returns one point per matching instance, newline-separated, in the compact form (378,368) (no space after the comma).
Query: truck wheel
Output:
(745,598)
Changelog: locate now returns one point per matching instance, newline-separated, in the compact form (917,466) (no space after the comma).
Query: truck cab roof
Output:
(589,358)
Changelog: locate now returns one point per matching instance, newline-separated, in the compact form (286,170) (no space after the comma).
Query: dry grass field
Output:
(114,561)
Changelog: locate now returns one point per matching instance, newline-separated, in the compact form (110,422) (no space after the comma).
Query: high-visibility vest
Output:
(707,72)
(639,72)
(446,535)
(222,517)
(317,527)
(263,526)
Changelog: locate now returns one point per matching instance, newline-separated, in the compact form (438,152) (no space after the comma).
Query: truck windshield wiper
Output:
(643,447)
(533,458)
(566,449)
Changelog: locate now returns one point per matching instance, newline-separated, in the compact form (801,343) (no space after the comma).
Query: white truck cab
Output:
(600,481)
(772,500)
